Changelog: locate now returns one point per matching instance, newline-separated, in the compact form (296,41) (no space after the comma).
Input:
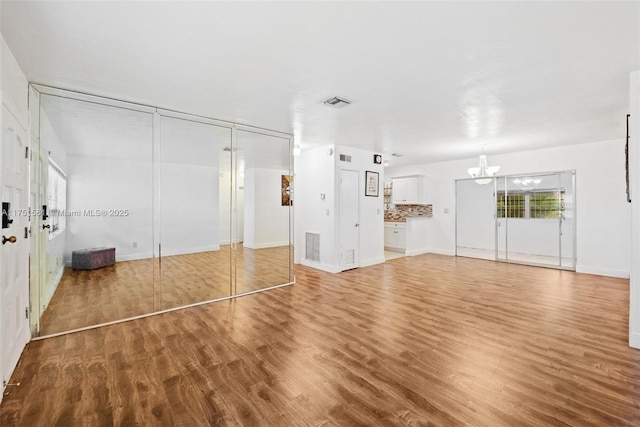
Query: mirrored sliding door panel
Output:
(262,211)
(94,220)
(195,204)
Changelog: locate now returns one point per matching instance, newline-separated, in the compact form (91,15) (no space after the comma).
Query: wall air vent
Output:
(312,252)
(345,158)
(337,102)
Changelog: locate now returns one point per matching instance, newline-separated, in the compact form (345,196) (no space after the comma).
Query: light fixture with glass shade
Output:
(483,172)
(526,182)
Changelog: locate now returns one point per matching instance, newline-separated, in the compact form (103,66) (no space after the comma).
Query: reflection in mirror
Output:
(95,166)
(262,211)
(195,201)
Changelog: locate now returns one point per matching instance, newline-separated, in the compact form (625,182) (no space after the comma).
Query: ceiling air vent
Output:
(397,155)
(337,102)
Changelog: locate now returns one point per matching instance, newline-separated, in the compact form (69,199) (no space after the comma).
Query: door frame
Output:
(356,263)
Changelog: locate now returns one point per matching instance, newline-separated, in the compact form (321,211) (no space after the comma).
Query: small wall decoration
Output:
(377,159)
(371,182)
(287,189)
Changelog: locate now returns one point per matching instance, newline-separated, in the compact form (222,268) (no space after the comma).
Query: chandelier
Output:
(483,172)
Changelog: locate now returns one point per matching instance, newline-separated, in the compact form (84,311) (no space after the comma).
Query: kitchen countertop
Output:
(406,218)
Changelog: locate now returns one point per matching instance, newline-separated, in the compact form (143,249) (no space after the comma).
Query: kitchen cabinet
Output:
(407,190)
(395,236)
(408,237)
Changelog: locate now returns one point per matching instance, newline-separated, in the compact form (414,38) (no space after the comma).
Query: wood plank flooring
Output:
(426,340)
(132,288)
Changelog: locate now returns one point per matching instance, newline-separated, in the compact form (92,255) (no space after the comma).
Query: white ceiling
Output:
(430,80)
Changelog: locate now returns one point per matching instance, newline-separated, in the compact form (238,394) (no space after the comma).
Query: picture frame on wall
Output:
(372,184)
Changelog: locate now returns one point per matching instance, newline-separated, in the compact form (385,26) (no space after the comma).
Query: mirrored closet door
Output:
(137,210)
(95,166)
(528,219)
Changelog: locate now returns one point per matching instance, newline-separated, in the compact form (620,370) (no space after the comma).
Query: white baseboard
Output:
(371,261)
(414,252)
(321,266)
(599,271)
(133,257)
(634,340)
(190,250)
(252,245)
(440,251)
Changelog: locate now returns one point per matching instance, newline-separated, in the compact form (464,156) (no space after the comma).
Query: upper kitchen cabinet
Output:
(408,190)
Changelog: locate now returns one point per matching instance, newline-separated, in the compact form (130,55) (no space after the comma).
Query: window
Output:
(531,205)
(57,200)
(514,203)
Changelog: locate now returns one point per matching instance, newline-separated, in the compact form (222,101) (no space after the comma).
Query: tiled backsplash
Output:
(401,212)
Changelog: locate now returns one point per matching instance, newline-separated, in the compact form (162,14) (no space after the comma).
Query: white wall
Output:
(476,210)
(603,215)
(634,165)
(318,173)
(110,183)
(371,208)
(315,175)
(266,221)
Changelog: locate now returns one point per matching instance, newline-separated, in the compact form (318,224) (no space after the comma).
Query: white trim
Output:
(252,245)
(169,310)
(372,261)
(101,100)
(191,250)
(321,266)
(600,271)
(440,251)
(193,118)
(634,340)
(414,252)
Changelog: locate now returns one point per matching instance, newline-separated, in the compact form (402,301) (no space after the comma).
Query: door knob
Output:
(46,226)
(357,225)
(11,239)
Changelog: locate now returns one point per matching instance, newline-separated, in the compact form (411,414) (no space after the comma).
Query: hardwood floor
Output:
(426,340)
(132,288)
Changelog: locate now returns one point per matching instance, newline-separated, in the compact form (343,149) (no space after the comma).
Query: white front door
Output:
(349,218)
(14,259)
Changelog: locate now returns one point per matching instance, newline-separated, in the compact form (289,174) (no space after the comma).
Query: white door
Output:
(14,260)
(349,218)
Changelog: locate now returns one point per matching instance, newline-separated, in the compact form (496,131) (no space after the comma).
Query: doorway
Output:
(349,219)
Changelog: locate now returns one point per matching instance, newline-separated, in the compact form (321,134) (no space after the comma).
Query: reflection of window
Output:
(57,198)
(531,205)
(514,204)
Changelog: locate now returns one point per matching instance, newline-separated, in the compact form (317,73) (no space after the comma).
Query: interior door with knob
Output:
(14,259)
(349,220)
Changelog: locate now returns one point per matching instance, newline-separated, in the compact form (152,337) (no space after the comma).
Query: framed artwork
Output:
(372,184)
(287,188)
